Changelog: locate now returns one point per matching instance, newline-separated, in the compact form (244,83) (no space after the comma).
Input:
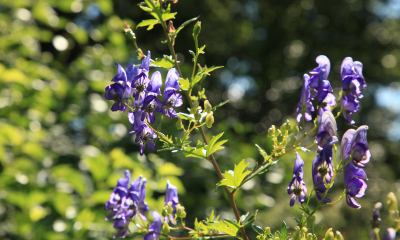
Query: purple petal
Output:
(292,200)
(302,197)
(131,72)
(298,164)
(352,202)
(323,61)
(346,144)
(172,81)
(155,83)
(146,62)
(172,113)
(141,148)
(120,77)
(151,145)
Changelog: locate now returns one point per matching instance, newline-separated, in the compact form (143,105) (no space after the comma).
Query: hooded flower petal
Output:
(172,81)
(155,228)
(327,130)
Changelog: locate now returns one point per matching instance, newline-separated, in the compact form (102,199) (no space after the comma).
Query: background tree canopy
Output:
(62,149)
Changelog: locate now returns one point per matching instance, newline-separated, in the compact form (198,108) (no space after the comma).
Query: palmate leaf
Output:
(149,22)
(154,9)
(184,25)
(233,179)
(246,220)
(213,145)
(283,234)
(225,226)
(166,62)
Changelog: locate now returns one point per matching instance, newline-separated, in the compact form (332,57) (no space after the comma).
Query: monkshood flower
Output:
(155,228)
(137,192)
(171,97)
(326,130)
(354,179)
(305,106)
(151,103)
(145,135)
(354,144)
(297,188)
(353,83)
(122,78)
(141,81)
(135,118)
(119,196)
(115,92)
(322,168)
(119,205)
(171,195)
(321,85)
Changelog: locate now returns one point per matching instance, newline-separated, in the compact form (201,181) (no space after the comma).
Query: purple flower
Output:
(354,179)
(135,118)
(326,130)
(151,103)
(115,92)
(119,204)
(321,85)
(322,168)
(297,188)
(145,135)
(305,106)
(353,83)
(155,228)
(171,97)
(354,144)
(137,192)
(141,80)
(171,195)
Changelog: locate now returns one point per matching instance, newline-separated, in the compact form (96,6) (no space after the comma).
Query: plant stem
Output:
(213,161)
(340,198)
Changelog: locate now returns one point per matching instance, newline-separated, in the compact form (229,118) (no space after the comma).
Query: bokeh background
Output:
(62,149)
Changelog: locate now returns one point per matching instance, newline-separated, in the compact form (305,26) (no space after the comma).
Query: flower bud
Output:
(174,1)
(170,27)
(169,208)
(194,108)
(207,106)
(260,237)
(310,236)
(304,230)
(392,202)
(271,131)
(338,236)
(164,212)
(267,230)
(127,27)
(329,234)
(196,29)
(209,119)
(180,211)
(165,227)
(296,233)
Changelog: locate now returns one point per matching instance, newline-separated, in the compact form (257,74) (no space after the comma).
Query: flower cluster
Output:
(127,202)
(353,83)
(297,188)
(134,84)
(355,154)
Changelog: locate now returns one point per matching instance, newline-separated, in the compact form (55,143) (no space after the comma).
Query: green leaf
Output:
(150,3)
(196,30)
(167,16)
(219,105)
(166,62)
(263,153)
(184,25)
(201,49)
(248,220)
(149,22)
(227,227)
(202,94)
(184,83)
(191,152)
(213,145)
(283,234)
(234,179)
(258,229)
(208,70)
(186,116)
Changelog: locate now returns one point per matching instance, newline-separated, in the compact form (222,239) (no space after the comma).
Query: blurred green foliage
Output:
(62,149)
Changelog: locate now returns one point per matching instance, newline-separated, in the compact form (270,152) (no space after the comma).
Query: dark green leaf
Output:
(258,229)
(150,23)
(219,105)
(184,25)
(248,220)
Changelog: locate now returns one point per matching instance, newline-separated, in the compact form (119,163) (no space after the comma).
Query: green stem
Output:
(213,161)
(340,198)
(309,196)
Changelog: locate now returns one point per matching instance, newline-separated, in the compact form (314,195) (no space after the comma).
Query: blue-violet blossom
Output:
(137,192)
(145,135)
(171,97)
(353,83)
(326,130)
(155,228)
(141,80)
(151,103)
(305,106)
(297,188)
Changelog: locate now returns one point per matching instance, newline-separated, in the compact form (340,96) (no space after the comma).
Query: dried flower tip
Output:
(170,27)
(174,1)
(127,27)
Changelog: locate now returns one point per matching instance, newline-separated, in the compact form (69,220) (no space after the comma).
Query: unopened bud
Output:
(271,131)
(338,236)
(169,208)
(197,29)
(392,202)
(207,106)
(165,227)
(329,234)
(260,237)
(296,233)
(304,230)
(376,216)
(164,212)
(180,211)
(170,27)
(209,119)
(267,230)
